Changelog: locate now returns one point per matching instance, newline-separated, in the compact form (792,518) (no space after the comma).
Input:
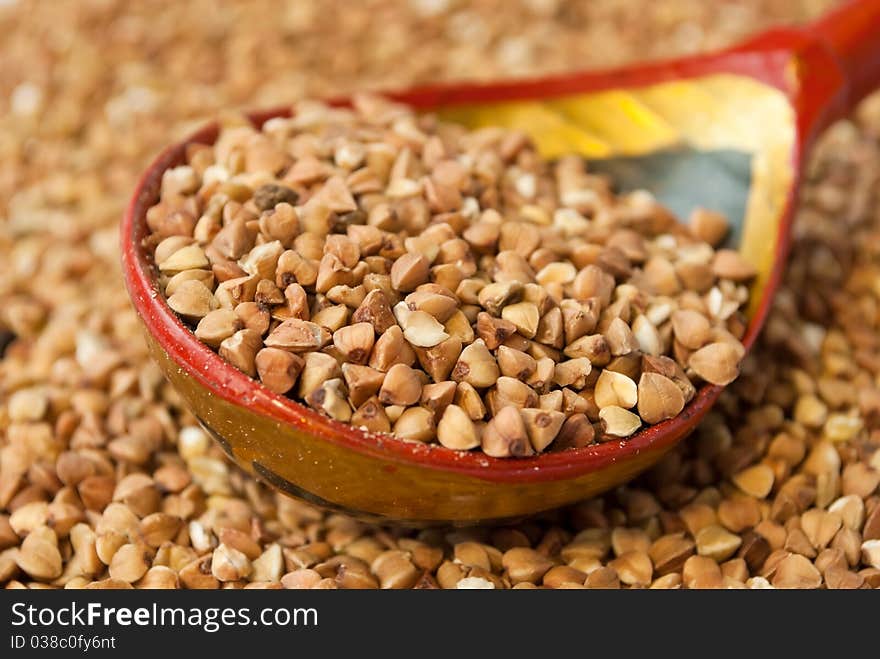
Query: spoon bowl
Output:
(727,131)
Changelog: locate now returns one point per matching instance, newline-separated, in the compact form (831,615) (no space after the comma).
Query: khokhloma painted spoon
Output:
(728,131)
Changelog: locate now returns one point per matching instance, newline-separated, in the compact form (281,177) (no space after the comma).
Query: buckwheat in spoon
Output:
(469,303)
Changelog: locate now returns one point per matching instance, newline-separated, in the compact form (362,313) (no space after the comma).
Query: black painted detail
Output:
(6,338)
(217,437)
(295,491)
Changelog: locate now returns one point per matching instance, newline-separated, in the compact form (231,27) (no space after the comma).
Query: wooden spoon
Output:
(727,131)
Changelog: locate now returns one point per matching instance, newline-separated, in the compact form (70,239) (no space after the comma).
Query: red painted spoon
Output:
(726,131)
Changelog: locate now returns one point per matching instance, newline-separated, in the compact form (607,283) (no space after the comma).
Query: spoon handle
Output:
(851,33)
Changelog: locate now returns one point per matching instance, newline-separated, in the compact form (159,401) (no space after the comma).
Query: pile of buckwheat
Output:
(107,482)
(409,276)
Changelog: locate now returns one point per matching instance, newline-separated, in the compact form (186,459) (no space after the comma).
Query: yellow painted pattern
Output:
(636,126)
(722,111)
(552,131)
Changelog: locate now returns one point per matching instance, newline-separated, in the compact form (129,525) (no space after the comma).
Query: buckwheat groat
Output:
(413,277)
